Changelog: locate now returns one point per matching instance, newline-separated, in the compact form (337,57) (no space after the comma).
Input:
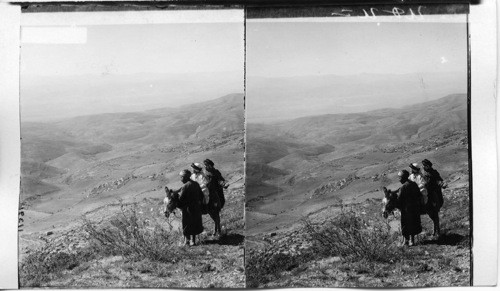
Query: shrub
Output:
(41,264)
(264,267)
(354,237)
(132,236)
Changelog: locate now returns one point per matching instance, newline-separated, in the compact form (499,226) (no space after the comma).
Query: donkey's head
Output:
(170,202)
(389,202)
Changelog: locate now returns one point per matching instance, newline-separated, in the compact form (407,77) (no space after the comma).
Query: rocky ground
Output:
(291,258)
(74,258)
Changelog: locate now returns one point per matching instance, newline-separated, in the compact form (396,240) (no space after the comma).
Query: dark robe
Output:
(433,183)
(190,200)
(409,200)
(216,190)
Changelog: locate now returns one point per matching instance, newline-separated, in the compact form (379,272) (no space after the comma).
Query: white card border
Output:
(483,31)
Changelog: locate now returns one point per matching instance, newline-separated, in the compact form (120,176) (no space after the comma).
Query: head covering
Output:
(426,162)
(208,162)
(185,173)
(414,167)
(403,173)
(197,166)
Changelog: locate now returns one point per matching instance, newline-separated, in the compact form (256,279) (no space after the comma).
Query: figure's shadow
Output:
(232,239)
(449,239)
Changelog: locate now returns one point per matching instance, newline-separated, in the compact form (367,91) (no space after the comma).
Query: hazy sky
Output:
(347,67)
(305,48)
(70,69)
(129,49)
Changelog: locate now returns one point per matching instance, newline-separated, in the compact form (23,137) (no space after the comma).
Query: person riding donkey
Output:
(211,184)
(433,184)
(216,185)
(417,177)
(199,177)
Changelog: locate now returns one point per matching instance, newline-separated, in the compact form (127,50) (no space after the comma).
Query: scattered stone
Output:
(50,232)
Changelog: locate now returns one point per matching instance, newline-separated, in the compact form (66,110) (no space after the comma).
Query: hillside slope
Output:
(314,168)
(96,166)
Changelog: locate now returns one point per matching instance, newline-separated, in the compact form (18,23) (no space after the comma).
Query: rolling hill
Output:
(313,168)
(82,141)
(94,166)
(298,158)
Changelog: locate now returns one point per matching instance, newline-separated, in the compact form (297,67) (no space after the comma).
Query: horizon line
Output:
(247,120)
(356,74)
(56,119)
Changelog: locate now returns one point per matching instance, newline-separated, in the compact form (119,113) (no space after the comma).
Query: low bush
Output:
(263,267)
(351,236)
(134,237)
(42,264)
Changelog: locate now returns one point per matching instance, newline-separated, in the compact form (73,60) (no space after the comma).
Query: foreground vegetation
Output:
(358,248)
(132,249)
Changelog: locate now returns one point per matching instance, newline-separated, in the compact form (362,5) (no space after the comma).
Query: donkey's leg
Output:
(216,218)
(219,230)
(434,215)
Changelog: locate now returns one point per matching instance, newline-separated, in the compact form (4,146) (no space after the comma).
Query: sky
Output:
(76,64)
(144,48)
(287,49)
(305,68)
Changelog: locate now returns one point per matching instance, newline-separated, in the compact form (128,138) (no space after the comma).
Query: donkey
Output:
(171,201)
(390,202)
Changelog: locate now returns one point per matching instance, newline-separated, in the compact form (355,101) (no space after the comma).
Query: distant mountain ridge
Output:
(274,99)
(382,125)
(49,98)
(224,114)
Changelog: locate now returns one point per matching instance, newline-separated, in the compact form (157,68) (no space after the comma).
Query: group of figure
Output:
(420,193)
(202,192)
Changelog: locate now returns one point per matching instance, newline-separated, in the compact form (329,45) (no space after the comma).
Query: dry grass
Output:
(127,234)
(132,236)
(43,264)
(352,236)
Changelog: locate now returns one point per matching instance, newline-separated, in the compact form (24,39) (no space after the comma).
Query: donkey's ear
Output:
(386,192)
(168,192)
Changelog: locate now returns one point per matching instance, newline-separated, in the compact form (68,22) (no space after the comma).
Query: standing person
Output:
(408,197)
(216,184)
(433,184)
(417,177)
(219,181)
(199,177)
(190,199)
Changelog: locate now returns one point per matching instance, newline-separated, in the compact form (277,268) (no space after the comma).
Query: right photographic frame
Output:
(358,156)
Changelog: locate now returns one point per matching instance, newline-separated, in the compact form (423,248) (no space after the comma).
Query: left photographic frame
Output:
(120,111)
